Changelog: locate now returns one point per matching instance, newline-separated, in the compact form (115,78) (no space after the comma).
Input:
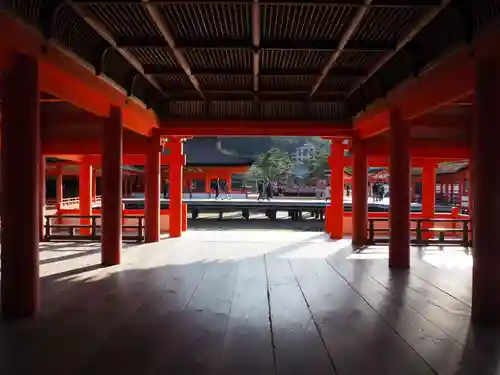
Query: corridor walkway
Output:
(250,302)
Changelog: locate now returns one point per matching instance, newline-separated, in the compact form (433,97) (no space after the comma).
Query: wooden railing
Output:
(56,229)
(75,202)
(456,232)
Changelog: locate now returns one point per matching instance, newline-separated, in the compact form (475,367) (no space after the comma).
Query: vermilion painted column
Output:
(229,183)
(399,197)
(112,207)
(428,195)
(359,194)
(177,162)
(208,182)
(335,212)
(85,194)
(485,197)
(42,189)
(21,151)
(152,192)
(59,186)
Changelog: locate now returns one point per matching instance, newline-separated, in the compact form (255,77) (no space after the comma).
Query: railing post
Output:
(465,233)
(419,231)
(139,229)
(371,235)
(94,227)
(47,227)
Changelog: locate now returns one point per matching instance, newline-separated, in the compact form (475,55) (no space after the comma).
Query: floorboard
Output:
(357,337)
(247,348)
(298,346)
(439,350)
(251,302)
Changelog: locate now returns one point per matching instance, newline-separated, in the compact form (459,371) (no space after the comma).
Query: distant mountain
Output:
(253,146)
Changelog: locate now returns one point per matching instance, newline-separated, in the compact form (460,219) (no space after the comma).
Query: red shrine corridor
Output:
(248,302)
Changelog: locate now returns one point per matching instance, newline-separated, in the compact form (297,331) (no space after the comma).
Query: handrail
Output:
(75,202)
(419,230)
(93,226)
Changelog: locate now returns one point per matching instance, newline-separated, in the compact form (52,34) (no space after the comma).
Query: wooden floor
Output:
(250,302)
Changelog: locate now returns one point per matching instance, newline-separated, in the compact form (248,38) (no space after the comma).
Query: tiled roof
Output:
(206,151)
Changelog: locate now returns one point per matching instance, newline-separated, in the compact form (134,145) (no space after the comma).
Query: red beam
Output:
(451,79)
(372,124)
(87,146)
(255,128)
(62,76)
(440,120)
(443,151)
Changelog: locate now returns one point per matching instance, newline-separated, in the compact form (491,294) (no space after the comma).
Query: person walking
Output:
(269,190)
(260,189)
(217,188)
(375,191)
(327,193)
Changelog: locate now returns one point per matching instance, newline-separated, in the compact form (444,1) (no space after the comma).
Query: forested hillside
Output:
(254,146)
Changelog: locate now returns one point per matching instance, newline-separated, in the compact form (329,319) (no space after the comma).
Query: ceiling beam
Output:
(104,32)
(256,44)
(178,127)
(342,44)
(428,17)
(160,70)
(379,4)
(159,21)
(308,45)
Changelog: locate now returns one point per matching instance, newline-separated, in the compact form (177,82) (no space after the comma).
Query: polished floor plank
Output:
(438,349)
(298,345)
(150,333)
(359,340)
(450,264)
(248,346)
(197,340)
(106,298)
(250,302)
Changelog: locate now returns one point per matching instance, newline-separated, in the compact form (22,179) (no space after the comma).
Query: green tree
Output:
(275,164)
(319,165)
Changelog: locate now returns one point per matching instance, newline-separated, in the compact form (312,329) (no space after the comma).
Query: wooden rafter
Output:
(176,52)
(343,43)
(103,31)
(429,16)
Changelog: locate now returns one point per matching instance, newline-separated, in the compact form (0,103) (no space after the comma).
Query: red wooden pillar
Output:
(229,183)
(486,184)
(359,194)
(399,202)
(112,206)
(85,194)
(428,195)
(177,161)
(152,193)
(21,151)
(335,212)
(42,190)
(208,182)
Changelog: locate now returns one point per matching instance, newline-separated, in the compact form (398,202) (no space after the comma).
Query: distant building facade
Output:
(304,153)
